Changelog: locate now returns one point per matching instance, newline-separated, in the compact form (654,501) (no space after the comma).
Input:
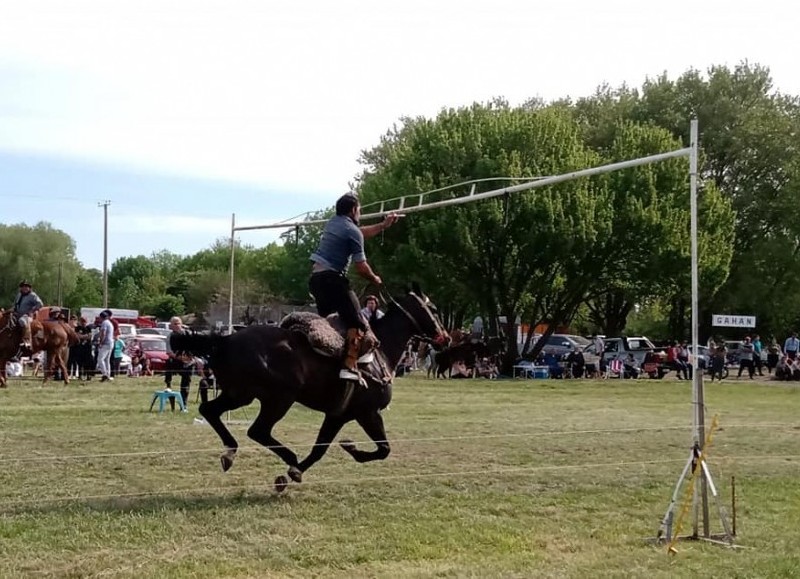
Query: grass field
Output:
(486,479)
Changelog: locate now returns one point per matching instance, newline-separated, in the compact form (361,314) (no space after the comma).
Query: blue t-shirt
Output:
(119,346)
(341,241)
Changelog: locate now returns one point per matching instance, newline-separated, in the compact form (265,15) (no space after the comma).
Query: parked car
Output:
(152,347)
(704,353)
(647,357)
(124,364)
(562,344)
(127,330)
(153,332)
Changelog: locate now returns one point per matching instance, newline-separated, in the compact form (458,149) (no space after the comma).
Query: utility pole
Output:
(104,205)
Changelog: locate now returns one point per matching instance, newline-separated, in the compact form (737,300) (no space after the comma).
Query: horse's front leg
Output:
(372,423)
(48,369)
(327,432)
(272,410)
(212,411)
(63,365)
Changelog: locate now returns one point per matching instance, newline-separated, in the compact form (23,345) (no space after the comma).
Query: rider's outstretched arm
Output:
(372,230)
(365,271)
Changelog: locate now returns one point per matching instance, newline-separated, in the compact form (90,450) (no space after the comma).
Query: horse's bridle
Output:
(389,299)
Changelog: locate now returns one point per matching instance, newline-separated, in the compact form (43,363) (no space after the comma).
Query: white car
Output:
(127,330)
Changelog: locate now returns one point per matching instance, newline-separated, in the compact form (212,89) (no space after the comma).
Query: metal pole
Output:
(104,205)
(543,182)
(698,395)
(233,252)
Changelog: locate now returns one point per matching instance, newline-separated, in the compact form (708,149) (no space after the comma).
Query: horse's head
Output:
(419,309)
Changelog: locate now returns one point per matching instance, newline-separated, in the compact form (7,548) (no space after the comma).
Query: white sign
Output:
(727,321)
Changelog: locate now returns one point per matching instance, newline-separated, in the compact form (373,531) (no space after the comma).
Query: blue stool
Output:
(162,396)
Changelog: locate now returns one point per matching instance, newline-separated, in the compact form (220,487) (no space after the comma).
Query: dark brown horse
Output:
(279,367)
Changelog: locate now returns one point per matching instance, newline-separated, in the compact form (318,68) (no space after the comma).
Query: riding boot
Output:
(349,369)
(349,372)
(369,343)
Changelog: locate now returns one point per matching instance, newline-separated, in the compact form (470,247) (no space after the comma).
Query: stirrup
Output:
(367,358)
(347,374)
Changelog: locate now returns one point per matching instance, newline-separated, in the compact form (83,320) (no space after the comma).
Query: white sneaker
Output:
(346,374)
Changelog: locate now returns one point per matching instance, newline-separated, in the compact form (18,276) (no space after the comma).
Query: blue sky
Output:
(182,112)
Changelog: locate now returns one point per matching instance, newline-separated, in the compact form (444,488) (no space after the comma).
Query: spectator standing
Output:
(791,345)
(176,364)
(116,356)
(746,358)
(105,344)
(773,355)
(757,347)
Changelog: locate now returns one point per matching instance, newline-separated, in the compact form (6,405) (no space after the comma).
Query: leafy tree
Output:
(136,269)
(126,294)
(164,306)
(650,243)
(750,143)
(88,290)
(43,255)
(501,251)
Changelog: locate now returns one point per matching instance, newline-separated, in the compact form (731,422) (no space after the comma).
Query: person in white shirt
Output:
(14,368)
(791,346)
(370,310)
(105,345)
(135,368)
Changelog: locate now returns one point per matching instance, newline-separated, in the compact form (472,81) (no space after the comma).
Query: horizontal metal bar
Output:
(544,182)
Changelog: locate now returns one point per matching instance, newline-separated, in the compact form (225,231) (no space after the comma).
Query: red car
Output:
(152,347)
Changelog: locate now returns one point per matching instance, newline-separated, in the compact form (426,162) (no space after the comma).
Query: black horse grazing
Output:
(279,367)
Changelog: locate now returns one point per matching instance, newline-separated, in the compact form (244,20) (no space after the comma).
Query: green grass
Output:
(485,479)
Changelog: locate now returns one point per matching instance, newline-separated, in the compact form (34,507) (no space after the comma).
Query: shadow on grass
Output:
(144,505)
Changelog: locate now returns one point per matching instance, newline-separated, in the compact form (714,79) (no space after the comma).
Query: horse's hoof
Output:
(348,445)
(226,458)
(281,482)
(295,474)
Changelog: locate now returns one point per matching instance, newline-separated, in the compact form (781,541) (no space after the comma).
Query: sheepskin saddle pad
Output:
(326,335)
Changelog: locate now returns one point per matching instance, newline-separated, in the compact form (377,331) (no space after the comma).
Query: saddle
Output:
(326,335)
(327,338)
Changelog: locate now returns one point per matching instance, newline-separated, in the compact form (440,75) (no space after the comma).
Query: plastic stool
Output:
(162,396)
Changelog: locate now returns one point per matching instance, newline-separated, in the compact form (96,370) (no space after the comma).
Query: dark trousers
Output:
(175,366)
(772,362)
(206,384)
(745,364)
(115,363)
(331,291)
(757,363)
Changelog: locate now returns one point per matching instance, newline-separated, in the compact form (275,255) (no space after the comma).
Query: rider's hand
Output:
(391,219)
(377,280)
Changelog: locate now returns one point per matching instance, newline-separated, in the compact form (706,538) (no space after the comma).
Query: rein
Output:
(390,300)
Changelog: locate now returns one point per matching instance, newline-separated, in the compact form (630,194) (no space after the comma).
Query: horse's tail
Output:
(203,345)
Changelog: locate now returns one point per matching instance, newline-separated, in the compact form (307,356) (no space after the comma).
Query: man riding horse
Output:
(342,241)
(26,304)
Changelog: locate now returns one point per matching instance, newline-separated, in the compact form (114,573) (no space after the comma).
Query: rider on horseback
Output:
(25,306)
(342,241)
